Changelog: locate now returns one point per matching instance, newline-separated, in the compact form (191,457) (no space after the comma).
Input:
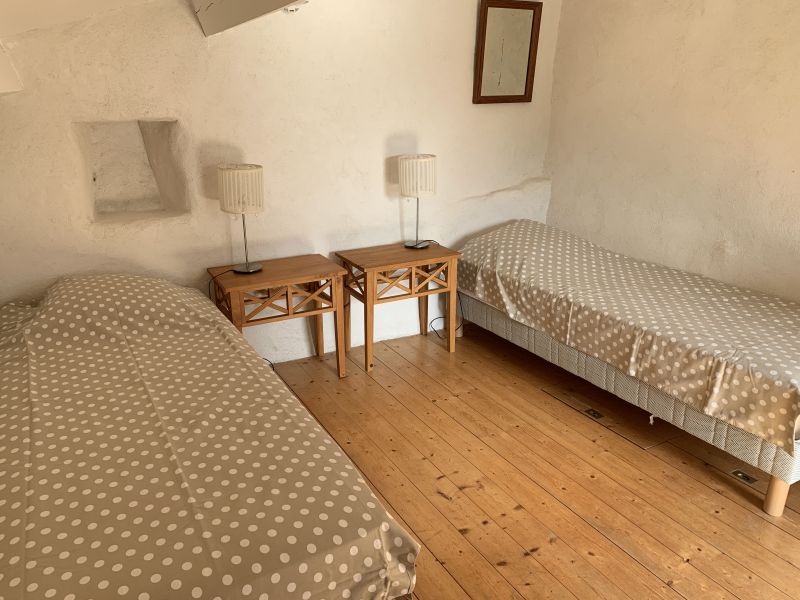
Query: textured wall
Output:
(320,98)
(17,16)
(676,134)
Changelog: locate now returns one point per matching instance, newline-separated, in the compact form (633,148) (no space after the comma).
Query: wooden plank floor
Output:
(491,460)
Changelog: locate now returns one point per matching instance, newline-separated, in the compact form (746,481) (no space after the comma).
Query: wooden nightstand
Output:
(286,288)
(393,272)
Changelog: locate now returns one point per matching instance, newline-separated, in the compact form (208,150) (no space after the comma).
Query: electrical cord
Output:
(213,279)
(430,325)
(460,324)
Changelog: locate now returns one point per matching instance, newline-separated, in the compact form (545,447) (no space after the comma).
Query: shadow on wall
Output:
(268,247)
(197,276)
(521,193)
(395,146)
(209,155)
(65,262)
(478,232)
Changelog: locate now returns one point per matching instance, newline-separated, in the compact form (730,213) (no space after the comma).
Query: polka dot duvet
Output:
(146,452)
(731,353)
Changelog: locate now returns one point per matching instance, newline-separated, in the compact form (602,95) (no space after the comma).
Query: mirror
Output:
(508,37)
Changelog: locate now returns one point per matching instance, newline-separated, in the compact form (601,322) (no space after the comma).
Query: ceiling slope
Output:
(219,15)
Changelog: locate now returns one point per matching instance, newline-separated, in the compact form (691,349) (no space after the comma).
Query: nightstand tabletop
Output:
(276,272)
(390,256)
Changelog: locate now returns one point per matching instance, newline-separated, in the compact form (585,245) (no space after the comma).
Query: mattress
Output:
(730,353)
(147,452)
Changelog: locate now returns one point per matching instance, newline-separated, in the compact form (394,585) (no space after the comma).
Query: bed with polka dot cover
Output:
(147,452)
(731,353)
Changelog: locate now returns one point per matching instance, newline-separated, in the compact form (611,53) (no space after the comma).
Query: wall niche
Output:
(133,169)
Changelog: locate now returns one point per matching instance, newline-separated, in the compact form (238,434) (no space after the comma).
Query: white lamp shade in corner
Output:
(417,175)
(241,189)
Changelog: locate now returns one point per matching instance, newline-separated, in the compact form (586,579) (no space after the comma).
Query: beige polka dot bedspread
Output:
(148,453)
(731,353)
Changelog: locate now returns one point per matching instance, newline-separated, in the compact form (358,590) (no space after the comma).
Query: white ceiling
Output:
(17,16)
(218,15)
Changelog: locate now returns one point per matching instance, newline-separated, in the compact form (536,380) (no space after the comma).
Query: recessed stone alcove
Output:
(133,168)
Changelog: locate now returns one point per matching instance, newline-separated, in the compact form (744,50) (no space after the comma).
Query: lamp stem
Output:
(244,230)
(417,235)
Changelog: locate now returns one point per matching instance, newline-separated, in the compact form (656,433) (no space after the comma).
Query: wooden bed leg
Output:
(777,493)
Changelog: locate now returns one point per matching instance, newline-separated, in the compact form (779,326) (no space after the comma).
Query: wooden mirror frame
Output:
(483,19)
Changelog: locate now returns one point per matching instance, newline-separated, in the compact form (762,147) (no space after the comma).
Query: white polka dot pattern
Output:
(147,452)
(729,352)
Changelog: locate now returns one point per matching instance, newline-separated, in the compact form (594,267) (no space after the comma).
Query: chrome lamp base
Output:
(247,268)
(417,244)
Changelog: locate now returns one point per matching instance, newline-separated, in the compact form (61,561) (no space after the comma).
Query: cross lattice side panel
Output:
(289,301)
(405,282)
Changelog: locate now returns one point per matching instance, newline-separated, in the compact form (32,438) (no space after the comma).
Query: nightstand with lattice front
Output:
(393,272)
(285,288)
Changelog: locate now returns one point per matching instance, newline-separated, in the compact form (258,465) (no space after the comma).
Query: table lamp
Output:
(241,192)
(417,180)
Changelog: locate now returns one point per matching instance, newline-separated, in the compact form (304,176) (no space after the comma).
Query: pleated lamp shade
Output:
(417,175)
(241,188)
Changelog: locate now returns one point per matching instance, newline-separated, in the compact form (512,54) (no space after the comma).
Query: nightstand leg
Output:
(348,300)
(452,297)
(370,280)
(338,316)
(319,333)
(423,311)
(237,309)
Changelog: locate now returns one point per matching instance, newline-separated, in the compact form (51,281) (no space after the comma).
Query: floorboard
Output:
(522,481)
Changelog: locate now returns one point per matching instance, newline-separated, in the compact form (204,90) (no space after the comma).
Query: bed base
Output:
(745,446)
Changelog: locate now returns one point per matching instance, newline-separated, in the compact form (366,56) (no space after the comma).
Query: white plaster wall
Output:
(320,98)
(675,134)
(17,16)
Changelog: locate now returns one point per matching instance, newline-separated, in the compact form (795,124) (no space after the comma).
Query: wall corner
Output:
(10,81)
